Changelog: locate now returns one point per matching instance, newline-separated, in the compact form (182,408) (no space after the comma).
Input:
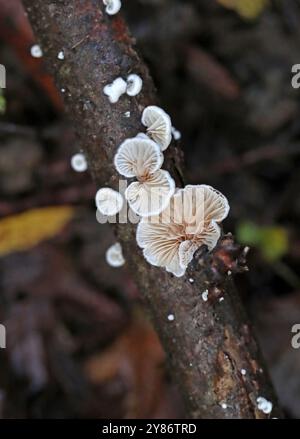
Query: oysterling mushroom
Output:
(114,256)
(115,90)
(134,84)
(141,158)
(190,221)
(112,6)
(158,124)
(79,163)
(108,201)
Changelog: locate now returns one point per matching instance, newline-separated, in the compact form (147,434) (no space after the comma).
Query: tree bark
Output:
(213,354)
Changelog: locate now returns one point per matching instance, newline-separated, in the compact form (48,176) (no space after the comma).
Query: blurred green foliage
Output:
(272,241)
(2,103)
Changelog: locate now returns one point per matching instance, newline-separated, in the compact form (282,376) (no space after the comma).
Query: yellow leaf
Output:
(248,9)
(25,230)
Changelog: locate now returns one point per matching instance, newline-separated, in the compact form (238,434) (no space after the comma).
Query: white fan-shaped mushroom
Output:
(138,157)
(134,84)
(159,126)
(171,239)
(79,163)
(36,51)
(115,90)
(108,201)
(151,196)
(114,256)
(112,6)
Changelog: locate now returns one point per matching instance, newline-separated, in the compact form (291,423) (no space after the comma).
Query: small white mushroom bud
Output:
(176,134)
(158,124)
(134,85)
(108,201)
(79,163)
(36,51)
(61,55)
(114,256)
(264,405)
(112,6)
(115,90)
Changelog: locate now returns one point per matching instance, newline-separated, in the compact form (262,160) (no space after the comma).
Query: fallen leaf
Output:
(26,230)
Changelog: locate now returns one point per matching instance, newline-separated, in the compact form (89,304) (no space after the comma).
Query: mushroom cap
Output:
(114,256)
(171,239)
(112,6)
(134,84)
(159,126)
(36,51)
(108,201)
(115,90)
(138,157)
(151,196)
(79,163)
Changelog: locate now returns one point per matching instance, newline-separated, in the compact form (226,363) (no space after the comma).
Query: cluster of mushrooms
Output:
(173,223)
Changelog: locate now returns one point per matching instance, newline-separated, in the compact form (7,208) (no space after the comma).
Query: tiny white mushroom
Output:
(115,90)
(134,85)
(114,256)
(221,299)
(176,134)
(191,280)
(204,296)
(79,163)
(224,405)
(127,114)
(171,317)
(108,201)
(36,51)
(158,124)
(141,158)
(61,55)
(63,90)
(264,405)
(243,372)
(112,6)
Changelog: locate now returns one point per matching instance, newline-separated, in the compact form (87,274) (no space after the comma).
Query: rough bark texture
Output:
(209,342)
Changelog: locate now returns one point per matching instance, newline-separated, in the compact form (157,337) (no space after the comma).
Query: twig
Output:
(208,343)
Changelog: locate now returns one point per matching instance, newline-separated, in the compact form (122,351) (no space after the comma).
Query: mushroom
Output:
(114,256)
(112,6)
(134,85)
(141,158)
(79,163)
(190,221)
(36,51)
(61,55)
(115,90)
(108,201)
(158,124)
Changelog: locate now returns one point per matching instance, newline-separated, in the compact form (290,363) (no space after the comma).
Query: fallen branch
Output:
(213,354)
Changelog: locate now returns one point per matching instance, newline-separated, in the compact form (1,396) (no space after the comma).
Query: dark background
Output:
(78,341)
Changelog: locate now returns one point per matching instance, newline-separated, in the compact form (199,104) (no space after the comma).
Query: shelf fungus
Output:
(112,6)
(79,163)
(108,201)
(114,256)
(115,90)
(191,220)
(134,84)
(141,158)
(158,124)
